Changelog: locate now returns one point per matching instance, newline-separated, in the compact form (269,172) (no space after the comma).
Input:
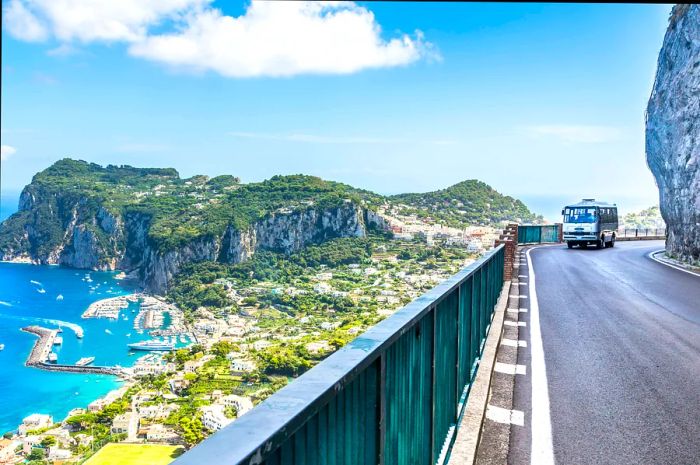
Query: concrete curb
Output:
(466,442)
(671,264)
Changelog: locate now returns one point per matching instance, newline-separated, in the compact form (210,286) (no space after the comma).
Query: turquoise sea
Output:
(30,295)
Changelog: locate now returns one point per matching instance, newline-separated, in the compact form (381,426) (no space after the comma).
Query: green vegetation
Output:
(649,218)
(104,202)
(176,211)
(464,204)
(135,454)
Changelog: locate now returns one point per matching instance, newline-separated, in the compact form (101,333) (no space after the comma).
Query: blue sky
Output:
(543,102)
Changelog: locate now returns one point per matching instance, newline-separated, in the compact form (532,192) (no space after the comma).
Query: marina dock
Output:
(38,357)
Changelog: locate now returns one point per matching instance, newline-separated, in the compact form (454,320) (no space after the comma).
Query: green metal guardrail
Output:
(393,395)
(537,234)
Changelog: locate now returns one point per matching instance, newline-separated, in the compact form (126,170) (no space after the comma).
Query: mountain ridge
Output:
(150,222)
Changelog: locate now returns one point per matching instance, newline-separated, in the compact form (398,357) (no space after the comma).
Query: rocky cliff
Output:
(151,223)
(673,132)
(104,241)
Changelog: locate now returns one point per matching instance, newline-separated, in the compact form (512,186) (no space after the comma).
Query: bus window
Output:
(580,215)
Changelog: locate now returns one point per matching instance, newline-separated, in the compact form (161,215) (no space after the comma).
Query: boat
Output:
(79,333)
(151,345)
(41,291)
(59,297)
(2,346)
(108,331)
(85,361)
(53,358)
(57,341)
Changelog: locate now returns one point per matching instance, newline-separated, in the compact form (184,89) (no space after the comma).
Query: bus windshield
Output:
(580,215)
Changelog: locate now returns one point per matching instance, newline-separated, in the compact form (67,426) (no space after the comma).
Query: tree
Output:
(36,454)
(221,348)
(48,441)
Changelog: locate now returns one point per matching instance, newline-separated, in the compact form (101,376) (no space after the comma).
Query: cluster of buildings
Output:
(409,227)
(214,416)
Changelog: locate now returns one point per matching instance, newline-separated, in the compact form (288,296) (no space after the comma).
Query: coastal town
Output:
(216,362)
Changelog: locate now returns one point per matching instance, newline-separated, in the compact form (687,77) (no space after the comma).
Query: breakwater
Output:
(42,348)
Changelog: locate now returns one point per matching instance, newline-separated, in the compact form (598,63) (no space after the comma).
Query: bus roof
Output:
(592,203)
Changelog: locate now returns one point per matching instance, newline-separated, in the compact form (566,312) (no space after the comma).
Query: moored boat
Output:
(151,345)
(85,361)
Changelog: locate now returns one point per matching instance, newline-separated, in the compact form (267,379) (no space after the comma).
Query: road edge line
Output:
(468,434)
(541,448)
(679,268)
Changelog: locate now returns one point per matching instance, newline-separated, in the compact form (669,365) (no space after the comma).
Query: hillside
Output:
(647,218)
(150,222)
(466,203)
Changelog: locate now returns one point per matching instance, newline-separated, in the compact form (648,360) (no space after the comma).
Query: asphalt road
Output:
(621,342)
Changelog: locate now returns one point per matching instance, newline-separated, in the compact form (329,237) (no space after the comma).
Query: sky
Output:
(543,102)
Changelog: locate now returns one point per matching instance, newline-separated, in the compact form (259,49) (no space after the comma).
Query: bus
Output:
(590,223)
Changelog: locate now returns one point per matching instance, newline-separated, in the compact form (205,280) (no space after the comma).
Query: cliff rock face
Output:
(673,132)
(91,237)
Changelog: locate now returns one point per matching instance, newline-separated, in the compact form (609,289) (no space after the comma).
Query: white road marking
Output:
(523,284)
(505,416)
(679,268)
(523,276)
(517,310)
(514,323)
(541,451)
(510,369)
(513,342)
(515,296)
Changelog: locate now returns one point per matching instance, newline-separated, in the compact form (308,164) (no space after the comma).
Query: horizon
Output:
(563,87)
(547,206)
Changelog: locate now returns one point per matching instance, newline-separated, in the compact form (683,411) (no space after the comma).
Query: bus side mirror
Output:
(562,212)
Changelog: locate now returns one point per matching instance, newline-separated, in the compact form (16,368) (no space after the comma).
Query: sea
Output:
(55,297)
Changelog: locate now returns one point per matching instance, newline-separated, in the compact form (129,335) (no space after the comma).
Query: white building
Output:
(126,423)
(144,369)
(240,366)
(159,433)
(35,421)
(213,417)
(56,453)
(7,450)
(241,404)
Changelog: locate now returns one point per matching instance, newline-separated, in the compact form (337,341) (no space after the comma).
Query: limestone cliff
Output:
(149,222)
(104,241)
(673,132)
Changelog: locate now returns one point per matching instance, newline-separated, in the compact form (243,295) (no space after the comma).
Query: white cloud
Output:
(270,39)
(575,133)
(63,50)
(22,23)
(317,139)
(283,39)
(6,151)
(95,20)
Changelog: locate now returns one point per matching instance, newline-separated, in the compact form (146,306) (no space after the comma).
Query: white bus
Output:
(590,222)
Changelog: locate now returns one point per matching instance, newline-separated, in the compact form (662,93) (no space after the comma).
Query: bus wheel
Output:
(601,243)
(570,245)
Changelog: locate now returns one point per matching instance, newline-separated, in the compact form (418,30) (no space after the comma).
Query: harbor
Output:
(40,355)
